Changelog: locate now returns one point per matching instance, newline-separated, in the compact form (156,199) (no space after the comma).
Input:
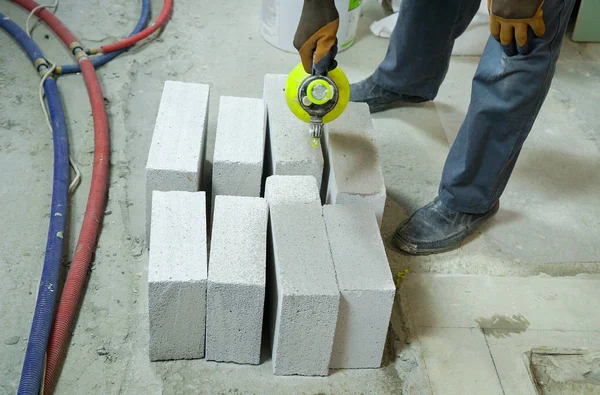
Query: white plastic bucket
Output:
(279,20)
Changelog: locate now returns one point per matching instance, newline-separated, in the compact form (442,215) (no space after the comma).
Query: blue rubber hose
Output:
(105,58)
(29,46)
(33,365)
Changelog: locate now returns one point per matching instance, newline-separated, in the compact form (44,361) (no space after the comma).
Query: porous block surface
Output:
(176,155)
(236,279)
(177,275)
(239,147)
(302,289)
(355,174)
(291,151)
(366,286)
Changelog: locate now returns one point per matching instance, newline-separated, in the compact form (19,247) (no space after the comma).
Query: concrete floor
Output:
(477,334)
(548,221)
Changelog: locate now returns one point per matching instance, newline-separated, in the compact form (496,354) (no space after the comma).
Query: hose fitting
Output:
(79,54)
(41,66)
(74,45)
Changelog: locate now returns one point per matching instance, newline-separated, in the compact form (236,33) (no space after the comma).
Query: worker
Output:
(509,87)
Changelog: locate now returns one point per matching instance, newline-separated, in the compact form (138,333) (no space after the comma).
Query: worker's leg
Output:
(418,53)
(506,96)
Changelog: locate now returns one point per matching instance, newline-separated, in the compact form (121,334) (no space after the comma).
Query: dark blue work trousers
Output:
(506,95)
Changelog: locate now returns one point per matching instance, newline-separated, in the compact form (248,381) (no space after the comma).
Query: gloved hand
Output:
(315,37)
(510,20)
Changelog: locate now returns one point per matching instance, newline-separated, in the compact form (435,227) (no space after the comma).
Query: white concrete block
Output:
(355,173)
(176,155)
(365,283)
(291,189)
(239,147)
(302,291)
(236,279)
(290,146)
(177,274)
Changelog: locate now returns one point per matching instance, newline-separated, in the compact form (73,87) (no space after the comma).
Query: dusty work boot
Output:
(377,97)
(436,228)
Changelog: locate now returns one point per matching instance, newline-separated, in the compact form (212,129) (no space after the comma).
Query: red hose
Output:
(74,288)
(94,212)
(129,41)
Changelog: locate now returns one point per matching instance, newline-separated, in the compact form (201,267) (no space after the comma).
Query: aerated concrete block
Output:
(290,146)
(355,173)
(239,147)
(176,155)
(236,279)
(177,273)
(291,189)
(303,296)
(365,283)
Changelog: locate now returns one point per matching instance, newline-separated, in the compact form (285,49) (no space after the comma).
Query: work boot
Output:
(377,97)
(436,228)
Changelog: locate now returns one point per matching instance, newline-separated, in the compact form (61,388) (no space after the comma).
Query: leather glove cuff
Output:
(315,37)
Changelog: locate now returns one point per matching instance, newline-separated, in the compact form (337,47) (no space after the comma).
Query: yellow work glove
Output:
(510,21)
(315,37)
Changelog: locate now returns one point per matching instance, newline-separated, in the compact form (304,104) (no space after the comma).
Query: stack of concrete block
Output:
(176,156)
(239,147)
(302,292)
(177,275)
(365,283)
(236,279)
(290,147)
(323,271)
(353,167)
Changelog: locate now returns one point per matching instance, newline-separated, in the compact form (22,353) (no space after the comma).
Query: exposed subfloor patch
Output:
(559,371)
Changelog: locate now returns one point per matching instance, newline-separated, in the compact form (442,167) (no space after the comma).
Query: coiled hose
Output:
(94,212)
(105,58)
(33,365)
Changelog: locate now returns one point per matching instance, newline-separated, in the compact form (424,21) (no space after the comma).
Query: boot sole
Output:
(375,108)
(400,102)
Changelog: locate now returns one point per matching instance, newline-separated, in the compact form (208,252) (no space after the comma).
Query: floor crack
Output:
(493,361)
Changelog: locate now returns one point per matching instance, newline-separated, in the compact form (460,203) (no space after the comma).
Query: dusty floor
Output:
(477,334)
(549,220)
